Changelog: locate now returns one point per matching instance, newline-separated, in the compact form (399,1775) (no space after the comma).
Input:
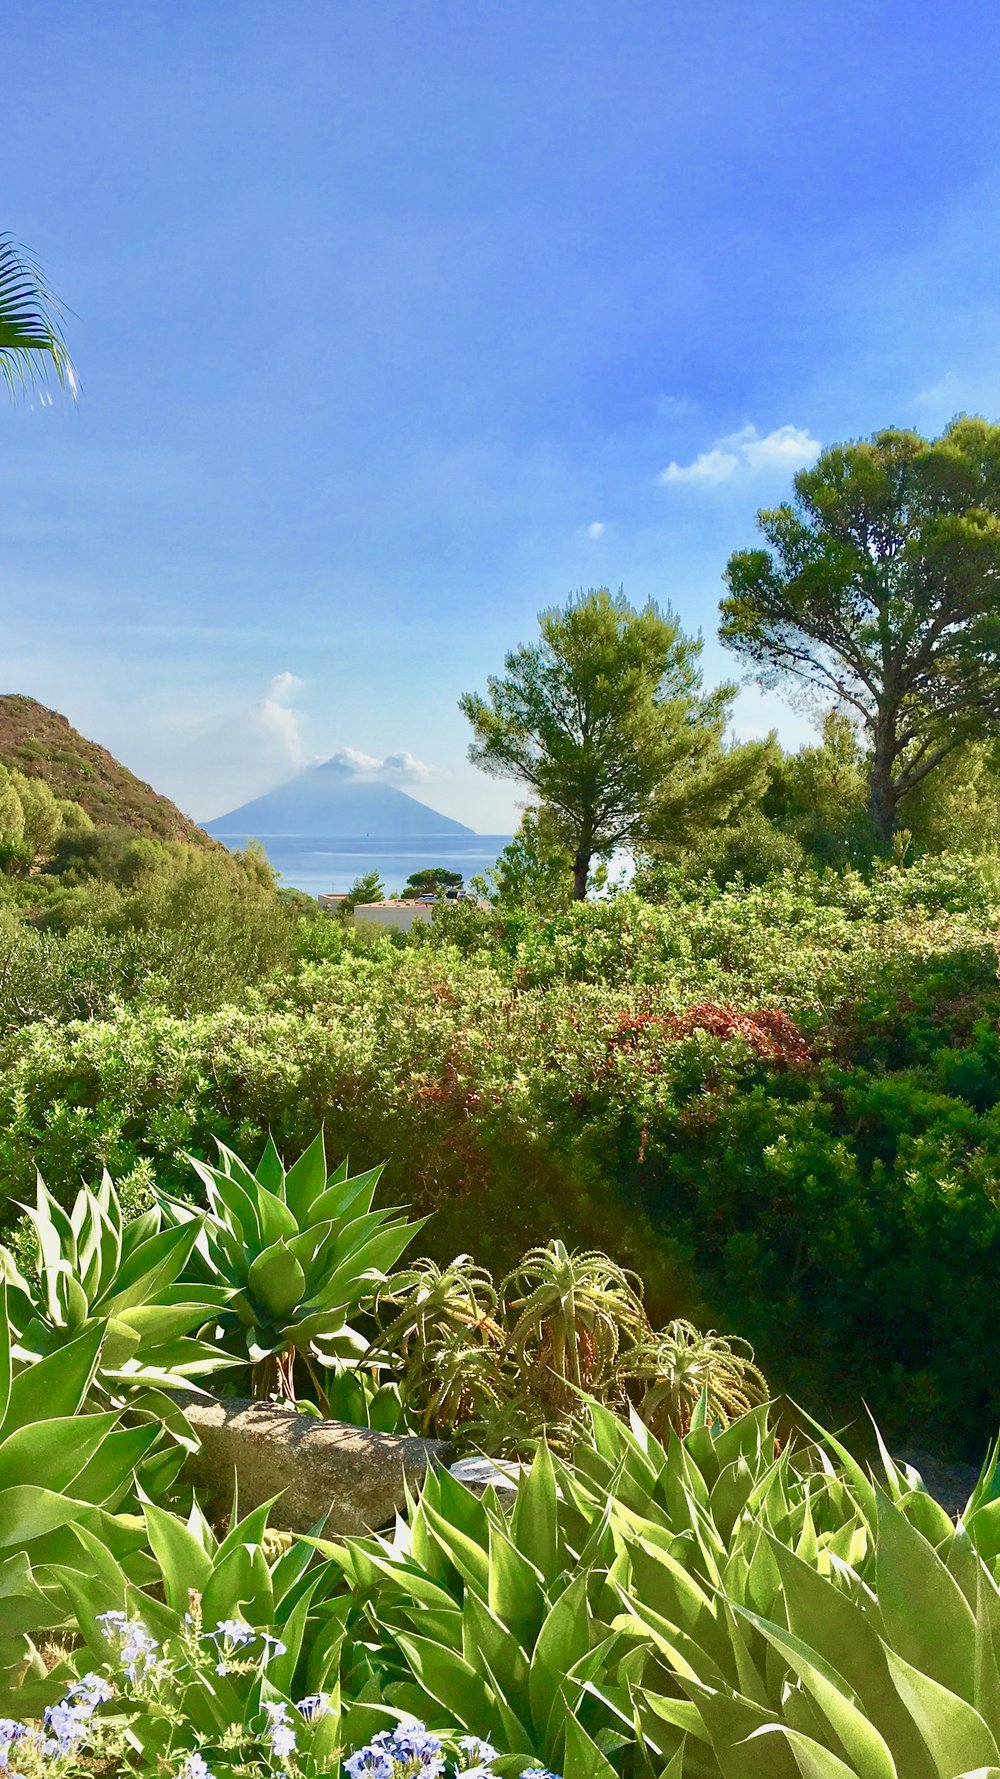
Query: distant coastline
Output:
(332,863)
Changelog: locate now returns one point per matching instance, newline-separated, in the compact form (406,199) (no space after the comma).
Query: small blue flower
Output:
(314,1706)
(480,1753)
(91,1691)
(370,1763)
(272,1645)
(282,1740)
(234,1630)
(65,1724)
(193,1766)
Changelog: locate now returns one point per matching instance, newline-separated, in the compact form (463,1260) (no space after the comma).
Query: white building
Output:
(400,915)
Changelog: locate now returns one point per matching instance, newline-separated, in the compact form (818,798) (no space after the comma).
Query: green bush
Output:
(781,1105)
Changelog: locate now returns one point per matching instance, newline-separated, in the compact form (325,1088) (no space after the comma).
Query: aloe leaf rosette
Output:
(300,1251)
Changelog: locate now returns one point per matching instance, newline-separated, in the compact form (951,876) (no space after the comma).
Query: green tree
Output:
(819,795)
(534,869)
(30,335)
(880,590)
(367,888)
(431,881)
(11,809)
(42,815)
(605,720)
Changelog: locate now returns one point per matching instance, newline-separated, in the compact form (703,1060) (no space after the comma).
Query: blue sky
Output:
(390,319)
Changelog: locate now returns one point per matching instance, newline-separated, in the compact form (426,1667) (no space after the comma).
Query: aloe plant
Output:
(446,1346)
(570,1313)
(675,1366)
(296,1252)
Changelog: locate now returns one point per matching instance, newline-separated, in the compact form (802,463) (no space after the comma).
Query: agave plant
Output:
(95,1269)
(570,1313)
(297,1252)
(63,1475)
(679,1365)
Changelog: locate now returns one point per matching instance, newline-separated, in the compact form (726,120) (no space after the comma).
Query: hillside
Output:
(325,802)
(41,743)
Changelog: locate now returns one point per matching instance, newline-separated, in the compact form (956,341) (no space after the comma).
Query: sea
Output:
(317,866)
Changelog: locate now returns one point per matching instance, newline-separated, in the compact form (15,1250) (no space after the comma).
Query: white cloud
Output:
(279,720)
(747,453)
(596,530)
(398,768)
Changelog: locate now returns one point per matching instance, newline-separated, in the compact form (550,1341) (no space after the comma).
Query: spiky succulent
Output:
(299,1251)
(680,1365)
(568,1314)
(94,1269)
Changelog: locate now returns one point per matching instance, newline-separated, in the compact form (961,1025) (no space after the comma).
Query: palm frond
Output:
(31,340)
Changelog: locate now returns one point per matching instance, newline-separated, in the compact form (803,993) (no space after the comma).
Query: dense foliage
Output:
(779,1103)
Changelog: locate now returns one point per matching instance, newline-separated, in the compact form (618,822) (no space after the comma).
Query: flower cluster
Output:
(131,1643)
(63,1727)
(233,1634)
(413,1752)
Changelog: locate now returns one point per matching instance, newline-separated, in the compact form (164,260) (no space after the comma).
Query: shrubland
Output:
(778,1102)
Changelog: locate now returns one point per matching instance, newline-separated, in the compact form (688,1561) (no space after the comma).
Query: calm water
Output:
(319,865)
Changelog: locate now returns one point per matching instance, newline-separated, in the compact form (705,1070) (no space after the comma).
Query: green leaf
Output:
(184,1563)
(953,1730)
(56,1450)
(269,1170)
(562,1640)
(61,1381)
(583,1759)
(451,1680)
(149,1267)
(812,1760)
(860,1740)
(534,1521)
(939,1639)
(305,1181)
(28,1510)
(277,1280)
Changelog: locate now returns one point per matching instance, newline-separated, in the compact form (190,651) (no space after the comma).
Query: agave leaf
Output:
(28,1510)
(183,1560)
(561,1642)
(812,1760)
(583,1759)
(269,1170)
(305,1182)
(229,1202)
(534,1521)
(515,1592)
(61,1381)
(150,1267)
(957,1737)
(859,1738)
(343,1196)
(277,1280)
(109,1473)
(451,1681)
(56,1449)
(940,1638)
(821,1615)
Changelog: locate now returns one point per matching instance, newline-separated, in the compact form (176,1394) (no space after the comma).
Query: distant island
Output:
(324,802)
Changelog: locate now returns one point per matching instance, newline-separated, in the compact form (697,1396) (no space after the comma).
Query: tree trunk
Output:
(882,798)
(581,872)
